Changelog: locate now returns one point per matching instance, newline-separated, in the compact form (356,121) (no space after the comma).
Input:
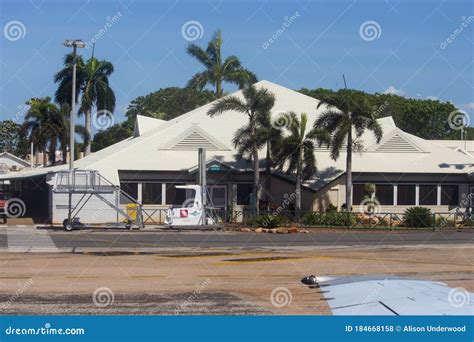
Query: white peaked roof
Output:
(144,124)
(466,146)
(12,157)
(171,145)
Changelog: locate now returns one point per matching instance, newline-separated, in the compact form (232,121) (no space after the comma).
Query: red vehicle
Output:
(3,206)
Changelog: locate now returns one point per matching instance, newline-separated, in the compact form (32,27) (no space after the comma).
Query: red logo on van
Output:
(183,213)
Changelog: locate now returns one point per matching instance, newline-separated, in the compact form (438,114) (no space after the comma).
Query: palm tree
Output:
(267,136)
(346,117)
(92,84)
(42,126)
(297,151)
(255,102)
(218,70)
(63,137)
(48,128)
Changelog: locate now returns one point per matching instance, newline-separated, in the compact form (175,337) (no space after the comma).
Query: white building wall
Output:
(95,210)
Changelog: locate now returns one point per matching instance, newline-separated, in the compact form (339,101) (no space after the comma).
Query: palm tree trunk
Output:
(349,172)
(256,179)
(89,130)
(218,88)
(52,151)
(268,179)
(45,158)
(256,168)
(298,183)
(64,151)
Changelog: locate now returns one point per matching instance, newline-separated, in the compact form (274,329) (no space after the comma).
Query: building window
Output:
(131,189)
(151,193)
(406,194)
(173,195)
(449,195)
(358,193)
(384,193)
(428,194)
(244,194)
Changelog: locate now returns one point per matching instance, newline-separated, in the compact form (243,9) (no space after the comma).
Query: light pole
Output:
(74,43)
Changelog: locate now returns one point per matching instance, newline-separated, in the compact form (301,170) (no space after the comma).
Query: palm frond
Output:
(198,81)
(198,53)
(226,104)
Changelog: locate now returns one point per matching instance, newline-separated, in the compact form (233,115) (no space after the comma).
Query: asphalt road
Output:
(30,237)
(241,240)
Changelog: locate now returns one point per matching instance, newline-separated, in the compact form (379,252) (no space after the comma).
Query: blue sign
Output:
(237,328)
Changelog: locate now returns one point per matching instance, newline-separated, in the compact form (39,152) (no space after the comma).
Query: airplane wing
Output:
(387,295)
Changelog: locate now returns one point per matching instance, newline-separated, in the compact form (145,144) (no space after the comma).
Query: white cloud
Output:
(433,98)
(393,90)
(469,105)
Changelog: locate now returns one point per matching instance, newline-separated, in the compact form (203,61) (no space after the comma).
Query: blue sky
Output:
(408,54)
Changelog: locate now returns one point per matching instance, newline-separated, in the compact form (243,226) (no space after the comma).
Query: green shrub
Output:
(418,217)
(331,208)
(268,221)
(332,218)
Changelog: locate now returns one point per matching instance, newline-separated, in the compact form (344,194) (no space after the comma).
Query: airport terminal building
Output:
(406,169)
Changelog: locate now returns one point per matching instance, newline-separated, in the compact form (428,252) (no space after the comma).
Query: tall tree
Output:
(12,139)
(269,137)
(346,116)
(255,101)
(217,69)
(425,118)
(168,103)
(47,126)
(63,137)
(42,122)
(297,151)
(92,85)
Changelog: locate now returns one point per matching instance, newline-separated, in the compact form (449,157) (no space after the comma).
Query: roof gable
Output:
(397,142)
(10,156)
(192,139)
